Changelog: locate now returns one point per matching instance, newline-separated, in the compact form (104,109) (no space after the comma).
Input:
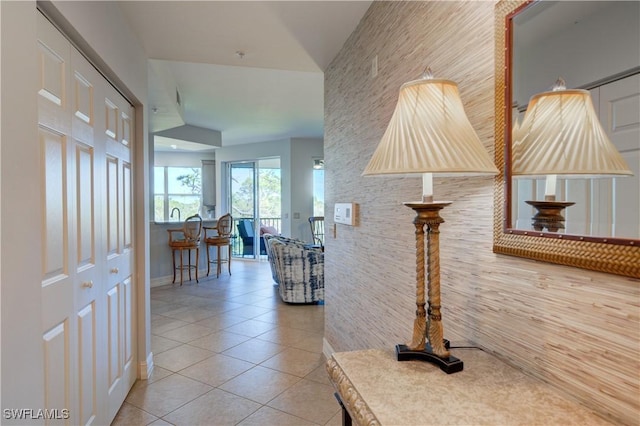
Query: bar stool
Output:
(187,238)
(220,239)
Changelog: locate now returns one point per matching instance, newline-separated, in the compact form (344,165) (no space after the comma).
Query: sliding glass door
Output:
(254,203)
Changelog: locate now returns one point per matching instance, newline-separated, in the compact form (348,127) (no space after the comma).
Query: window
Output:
(176,188)
(318,187)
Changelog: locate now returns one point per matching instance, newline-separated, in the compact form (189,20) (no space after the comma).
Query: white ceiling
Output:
(274,91)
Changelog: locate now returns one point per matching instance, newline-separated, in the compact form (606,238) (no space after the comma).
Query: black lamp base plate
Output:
(449,365)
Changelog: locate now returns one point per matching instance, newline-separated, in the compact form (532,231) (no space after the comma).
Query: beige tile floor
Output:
(228,351)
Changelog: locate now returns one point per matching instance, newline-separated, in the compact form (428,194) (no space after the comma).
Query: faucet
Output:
(174,209)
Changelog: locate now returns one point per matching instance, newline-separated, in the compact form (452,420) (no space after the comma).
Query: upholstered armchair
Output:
(297,268)
(247,233)
(272,261)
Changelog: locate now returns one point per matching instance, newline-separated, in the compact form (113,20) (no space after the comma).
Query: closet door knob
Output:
(114,270)
(87,284)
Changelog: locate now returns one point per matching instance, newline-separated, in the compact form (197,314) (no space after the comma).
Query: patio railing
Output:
(237,247)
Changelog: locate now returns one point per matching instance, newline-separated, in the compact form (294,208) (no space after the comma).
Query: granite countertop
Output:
(378,390)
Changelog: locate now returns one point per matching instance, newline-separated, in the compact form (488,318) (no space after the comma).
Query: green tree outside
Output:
(269,192)
(183,192)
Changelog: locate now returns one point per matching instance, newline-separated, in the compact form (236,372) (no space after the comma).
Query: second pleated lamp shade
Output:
(561,135)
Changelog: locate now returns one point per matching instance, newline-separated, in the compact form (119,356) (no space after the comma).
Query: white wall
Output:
(181,159)
(303,152)
(104,34)
(22,370)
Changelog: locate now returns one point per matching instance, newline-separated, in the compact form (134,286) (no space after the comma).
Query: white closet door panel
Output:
(118,147)
(83,97)
(119,135)
(86,200)
(127,207)
(83,124)
(87,365)
(52,74)
(56,212)
(121,350)
(111,122)
(112,208)
(87,271)
(84,80)
(90,301)
(57,174)
(114,337)
(126,121)
(58,377)
(53,59)
(127,306)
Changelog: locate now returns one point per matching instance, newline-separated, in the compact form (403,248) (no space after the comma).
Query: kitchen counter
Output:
(161,271)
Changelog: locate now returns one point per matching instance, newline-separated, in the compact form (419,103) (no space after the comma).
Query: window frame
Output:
(317,193)
(167,197)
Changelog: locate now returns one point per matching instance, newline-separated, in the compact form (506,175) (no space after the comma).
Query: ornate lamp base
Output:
(549,214)
(449,365)
(427,343)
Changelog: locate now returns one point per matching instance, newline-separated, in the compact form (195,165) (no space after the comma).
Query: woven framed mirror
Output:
(616,254)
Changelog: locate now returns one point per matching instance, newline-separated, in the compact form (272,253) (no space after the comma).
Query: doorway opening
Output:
(255,200)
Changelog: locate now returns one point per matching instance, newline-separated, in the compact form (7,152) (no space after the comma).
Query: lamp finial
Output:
(559,85)
(427,74)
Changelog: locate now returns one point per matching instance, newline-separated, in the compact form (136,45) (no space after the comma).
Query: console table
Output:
(375,389)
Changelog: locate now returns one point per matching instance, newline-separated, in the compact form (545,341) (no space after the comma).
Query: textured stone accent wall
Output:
(577,330)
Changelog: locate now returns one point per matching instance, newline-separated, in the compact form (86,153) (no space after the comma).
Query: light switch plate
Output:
(345,213)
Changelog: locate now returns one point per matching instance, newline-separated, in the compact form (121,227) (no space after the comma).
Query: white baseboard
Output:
(327,350)
(167,279)
(159,281)
(146,367)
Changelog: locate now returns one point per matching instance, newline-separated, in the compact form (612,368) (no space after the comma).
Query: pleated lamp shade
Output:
(429,132)
(561,135)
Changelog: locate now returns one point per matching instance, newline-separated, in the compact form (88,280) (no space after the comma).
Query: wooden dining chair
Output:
(186,238)
(221,238)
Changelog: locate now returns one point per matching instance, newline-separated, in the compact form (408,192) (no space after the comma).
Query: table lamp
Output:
(429,133)
(561,135)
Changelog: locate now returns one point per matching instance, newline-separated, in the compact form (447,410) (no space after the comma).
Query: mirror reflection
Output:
(594,46)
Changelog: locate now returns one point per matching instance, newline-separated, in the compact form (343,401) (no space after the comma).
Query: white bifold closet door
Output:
(85,135)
